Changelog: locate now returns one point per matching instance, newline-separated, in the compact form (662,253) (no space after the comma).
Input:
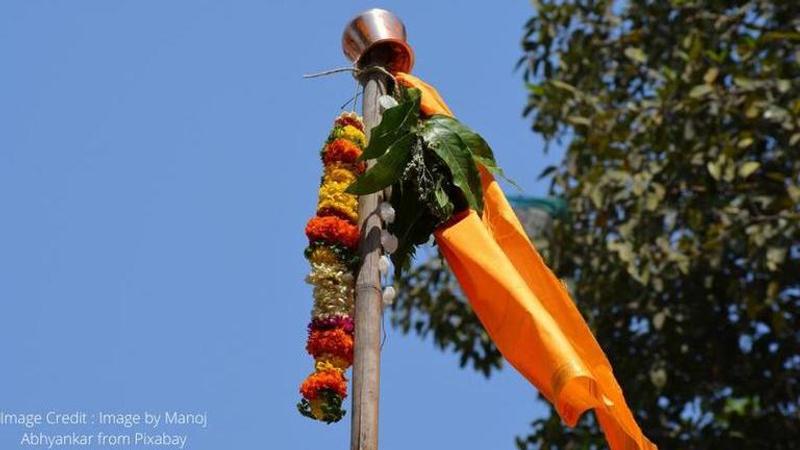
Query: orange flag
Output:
(527,311)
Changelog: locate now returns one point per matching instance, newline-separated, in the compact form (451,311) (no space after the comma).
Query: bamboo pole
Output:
(368,304)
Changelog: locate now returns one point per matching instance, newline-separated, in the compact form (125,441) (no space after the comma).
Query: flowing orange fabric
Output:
(527,311)
(431,102)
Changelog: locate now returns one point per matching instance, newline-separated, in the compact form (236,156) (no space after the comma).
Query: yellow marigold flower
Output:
(330,363)
(339,173)
(335,361)
(333,188)
(333,200)
(352,134)
(322,255)
(338,208)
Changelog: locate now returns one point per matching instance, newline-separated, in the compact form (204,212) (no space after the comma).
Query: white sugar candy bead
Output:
(388,295)
(388,241)
(386,211)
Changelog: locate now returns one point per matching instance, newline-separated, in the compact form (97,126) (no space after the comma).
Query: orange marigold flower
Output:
(342,151)
(333,342)
(334,230)
(332,380)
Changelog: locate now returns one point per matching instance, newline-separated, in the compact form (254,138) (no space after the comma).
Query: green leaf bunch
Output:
(432,166)
(332,410)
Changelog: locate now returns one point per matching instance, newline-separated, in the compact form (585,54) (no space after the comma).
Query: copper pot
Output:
(378,28)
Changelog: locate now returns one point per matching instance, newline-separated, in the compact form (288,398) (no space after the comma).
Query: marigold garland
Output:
(333,237)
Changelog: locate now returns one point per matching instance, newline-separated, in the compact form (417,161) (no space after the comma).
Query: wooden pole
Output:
(368,304)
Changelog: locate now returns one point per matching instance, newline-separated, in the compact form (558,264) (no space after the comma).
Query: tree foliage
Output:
(681,127)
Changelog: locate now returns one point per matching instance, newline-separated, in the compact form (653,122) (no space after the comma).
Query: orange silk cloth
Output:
(527,311)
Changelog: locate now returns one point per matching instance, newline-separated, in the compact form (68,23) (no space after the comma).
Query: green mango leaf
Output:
(387,169)
(396,123)
(496,170)
(456,155)
(443,201)
(476,144)
(481,152)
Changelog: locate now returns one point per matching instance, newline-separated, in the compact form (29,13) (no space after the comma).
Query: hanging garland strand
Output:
(333,238)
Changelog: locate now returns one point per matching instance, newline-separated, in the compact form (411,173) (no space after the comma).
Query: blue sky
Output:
(158,161)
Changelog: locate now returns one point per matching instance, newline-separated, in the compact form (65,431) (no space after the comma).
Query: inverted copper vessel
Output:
(378,28)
